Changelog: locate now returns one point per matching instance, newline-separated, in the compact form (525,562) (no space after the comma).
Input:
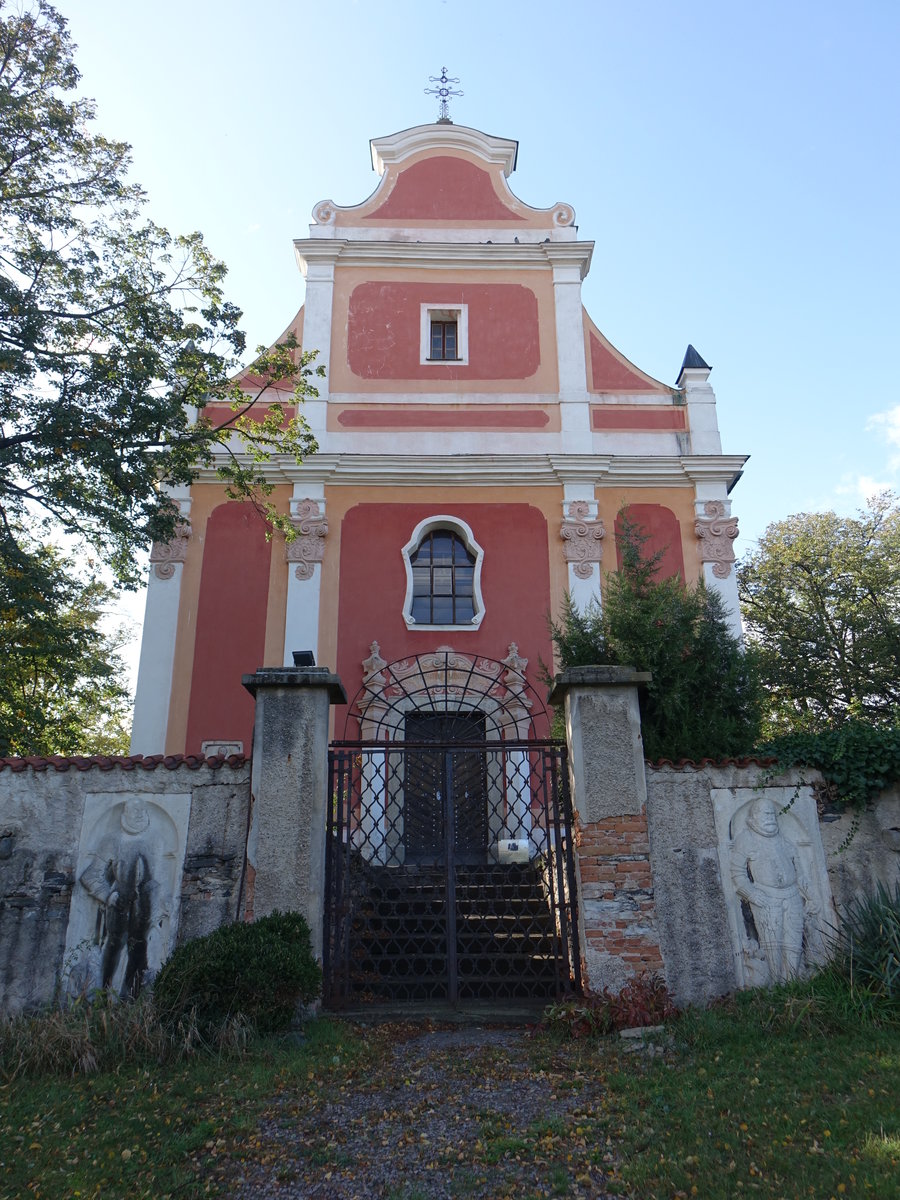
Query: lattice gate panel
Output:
(449,874)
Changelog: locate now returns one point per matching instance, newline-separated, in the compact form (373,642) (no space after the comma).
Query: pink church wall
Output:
(661,528)
(384,325)
(231,625)
(515,584)
(441,188)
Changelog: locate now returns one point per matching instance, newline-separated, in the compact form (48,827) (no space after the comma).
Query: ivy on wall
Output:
(857,759)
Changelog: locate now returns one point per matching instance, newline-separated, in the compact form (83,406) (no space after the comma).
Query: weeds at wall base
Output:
(102,1034)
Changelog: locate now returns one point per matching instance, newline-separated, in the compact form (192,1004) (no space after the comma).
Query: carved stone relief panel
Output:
(583,537)
(308,547)
(775,881)
(221,748)
(164,555)
(125,904)
(717,533)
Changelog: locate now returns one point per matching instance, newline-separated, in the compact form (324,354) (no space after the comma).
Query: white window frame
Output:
(444,312)
(459,527)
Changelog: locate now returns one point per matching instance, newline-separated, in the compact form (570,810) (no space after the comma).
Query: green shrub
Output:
(867,953)
(259,971)
(703,699)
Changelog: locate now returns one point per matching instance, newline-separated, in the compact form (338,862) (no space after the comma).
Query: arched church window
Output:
(443,564)
(443,580)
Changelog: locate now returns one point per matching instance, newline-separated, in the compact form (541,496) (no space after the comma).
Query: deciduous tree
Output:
(115,336)
(62,685)
(118,360)
(821,601)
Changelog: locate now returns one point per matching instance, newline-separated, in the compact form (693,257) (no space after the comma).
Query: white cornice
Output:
(398,146)
(443,255)
(510,470)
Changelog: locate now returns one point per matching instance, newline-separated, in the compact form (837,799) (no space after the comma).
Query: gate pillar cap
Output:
(296,677)
(599,676)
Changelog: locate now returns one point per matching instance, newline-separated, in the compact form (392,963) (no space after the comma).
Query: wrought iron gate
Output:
(449,871)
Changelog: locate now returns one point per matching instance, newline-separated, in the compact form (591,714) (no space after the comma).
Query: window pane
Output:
(442,610)
(421,610)
(465,578)
(443,581)
(437,339)
(421,581)
(465,610)
(449,339)
(442,547)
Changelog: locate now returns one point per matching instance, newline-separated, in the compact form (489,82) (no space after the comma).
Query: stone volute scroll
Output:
(165,555)
(717,532)
(583,536)
(308,547)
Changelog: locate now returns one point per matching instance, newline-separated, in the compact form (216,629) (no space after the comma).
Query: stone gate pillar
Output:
(617,918)
(289,792)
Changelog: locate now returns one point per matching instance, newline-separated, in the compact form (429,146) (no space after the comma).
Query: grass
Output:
(753,1104)
(155,1132)
(777,1095)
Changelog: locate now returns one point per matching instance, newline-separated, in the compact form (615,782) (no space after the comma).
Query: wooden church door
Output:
(445,790)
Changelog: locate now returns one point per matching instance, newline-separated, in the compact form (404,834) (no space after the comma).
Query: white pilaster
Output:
(301,622)
(719,574)
(570,263)
(157,661)
(317,260)
(701,405)
(582,588)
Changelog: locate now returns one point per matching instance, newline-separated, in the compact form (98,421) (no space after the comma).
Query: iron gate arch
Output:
(450,866)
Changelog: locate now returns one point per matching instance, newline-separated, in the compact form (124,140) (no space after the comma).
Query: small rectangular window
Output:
(444,334)
(443,341)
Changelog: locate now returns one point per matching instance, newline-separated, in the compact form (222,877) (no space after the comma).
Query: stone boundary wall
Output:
(202,805)
(700,921)
(617,900)
(863,852)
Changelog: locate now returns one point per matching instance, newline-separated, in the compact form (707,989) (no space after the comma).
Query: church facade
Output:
(478,440)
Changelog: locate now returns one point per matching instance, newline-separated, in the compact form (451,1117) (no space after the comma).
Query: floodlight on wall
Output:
(304,658)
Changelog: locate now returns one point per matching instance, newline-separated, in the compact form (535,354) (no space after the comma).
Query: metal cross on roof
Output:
(444,93)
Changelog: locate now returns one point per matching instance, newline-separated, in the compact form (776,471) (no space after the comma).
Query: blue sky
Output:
(735,163)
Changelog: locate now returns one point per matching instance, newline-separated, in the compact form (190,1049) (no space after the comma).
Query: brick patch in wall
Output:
(617,901)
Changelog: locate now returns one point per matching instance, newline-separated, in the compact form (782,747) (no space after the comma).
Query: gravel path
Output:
(448,1113)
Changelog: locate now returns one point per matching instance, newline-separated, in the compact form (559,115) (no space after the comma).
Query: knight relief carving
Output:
(308,547)
(777,888)
(717,533)
(124,909)
(583,537)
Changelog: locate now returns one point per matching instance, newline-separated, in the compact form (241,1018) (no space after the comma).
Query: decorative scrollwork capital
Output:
(308,547)
(165,555)
(716,533)
(583,536)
